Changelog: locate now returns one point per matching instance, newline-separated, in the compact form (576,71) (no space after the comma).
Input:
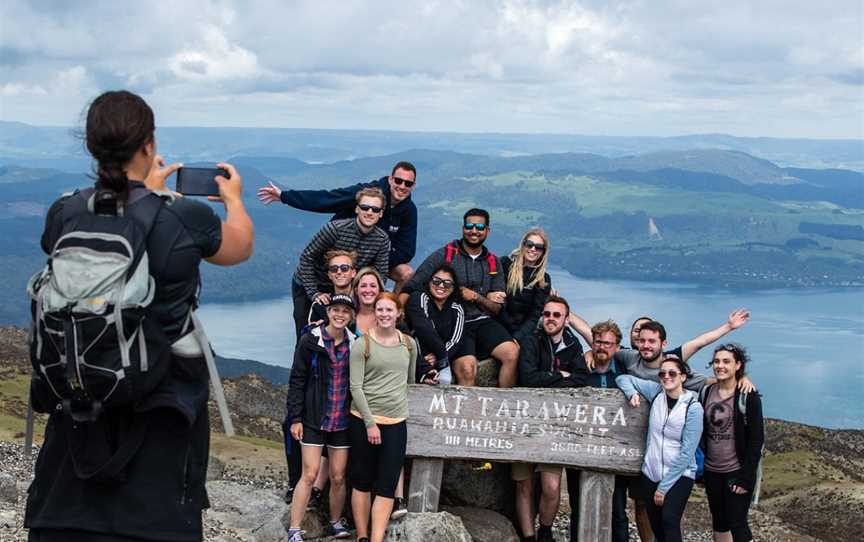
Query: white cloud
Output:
(763,67)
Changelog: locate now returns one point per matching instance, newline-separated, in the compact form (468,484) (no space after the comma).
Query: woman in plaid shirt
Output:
(318,411)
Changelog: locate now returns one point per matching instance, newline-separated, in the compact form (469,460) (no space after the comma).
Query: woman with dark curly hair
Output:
(733,440)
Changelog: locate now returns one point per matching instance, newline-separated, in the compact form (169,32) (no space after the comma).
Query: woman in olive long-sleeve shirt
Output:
(382,365)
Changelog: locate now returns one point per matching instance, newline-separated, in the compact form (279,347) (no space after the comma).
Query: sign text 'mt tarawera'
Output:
(588,427)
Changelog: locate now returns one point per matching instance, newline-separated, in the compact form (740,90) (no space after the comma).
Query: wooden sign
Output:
(590,428)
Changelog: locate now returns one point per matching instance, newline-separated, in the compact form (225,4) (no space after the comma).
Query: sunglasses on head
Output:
(442,282)
(400,182)
(345,267)
(373,208)
(531,244)
(478,227)
(671,373)
(552,314)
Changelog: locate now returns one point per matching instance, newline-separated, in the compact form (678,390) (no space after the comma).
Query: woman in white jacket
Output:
(674,430)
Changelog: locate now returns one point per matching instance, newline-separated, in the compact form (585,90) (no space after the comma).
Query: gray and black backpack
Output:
(94,342)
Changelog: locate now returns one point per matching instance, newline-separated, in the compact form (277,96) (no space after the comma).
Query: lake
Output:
(807,346)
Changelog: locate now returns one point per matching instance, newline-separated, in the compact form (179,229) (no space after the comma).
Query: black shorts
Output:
(332,439)
(481,337)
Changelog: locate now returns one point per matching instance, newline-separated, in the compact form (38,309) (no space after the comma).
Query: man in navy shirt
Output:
(400,213)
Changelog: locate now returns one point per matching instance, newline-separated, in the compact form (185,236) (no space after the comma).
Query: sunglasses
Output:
(400,182)
(344,268)
(550,314)
(540,247)
(442,282)
(479,227)
(373,208)
(671,374)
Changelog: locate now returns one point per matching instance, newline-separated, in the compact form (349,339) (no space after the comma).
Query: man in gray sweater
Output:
(482,291)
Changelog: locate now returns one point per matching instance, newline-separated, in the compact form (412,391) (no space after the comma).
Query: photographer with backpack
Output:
(118,355)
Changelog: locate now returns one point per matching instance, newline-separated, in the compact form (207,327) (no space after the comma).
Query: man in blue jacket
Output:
(400,213)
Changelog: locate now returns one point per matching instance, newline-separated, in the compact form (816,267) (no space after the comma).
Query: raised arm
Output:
(238,234)
(736,319)
(319,201)
(582,328)
(424,272)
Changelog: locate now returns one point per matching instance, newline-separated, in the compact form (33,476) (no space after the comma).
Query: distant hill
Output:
(230,368)
(785,227)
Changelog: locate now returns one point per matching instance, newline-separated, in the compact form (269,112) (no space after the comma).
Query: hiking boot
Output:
(289,495)
(400,509)
(339,528)
(314,499)
(295,535)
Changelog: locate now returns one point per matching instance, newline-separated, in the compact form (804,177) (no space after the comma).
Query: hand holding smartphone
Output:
(199,181)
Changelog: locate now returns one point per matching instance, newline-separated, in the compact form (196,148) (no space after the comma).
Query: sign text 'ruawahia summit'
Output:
(585,427)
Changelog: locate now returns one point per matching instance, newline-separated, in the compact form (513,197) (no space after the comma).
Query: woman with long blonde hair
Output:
(528,284)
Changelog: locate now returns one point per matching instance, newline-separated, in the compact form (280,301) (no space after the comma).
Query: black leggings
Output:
(728,509)
(377,467)
(666,520)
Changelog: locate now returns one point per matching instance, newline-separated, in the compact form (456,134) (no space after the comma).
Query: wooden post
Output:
(595,505)
(28,428)
(425,487)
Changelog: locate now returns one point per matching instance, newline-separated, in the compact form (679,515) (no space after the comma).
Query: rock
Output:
(428,527)
(7,519)
(465,484)
(485,525)
(314,523)
(487,373)
(215,468)
(255,514)
(8,488)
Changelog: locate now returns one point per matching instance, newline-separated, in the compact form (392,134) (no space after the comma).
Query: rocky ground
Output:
(813,489)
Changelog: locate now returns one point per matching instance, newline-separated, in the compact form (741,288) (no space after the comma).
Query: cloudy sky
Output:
(641,67)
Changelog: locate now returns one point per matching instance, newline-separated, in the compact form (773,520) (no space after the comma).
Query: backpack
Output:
(94,343)
(452,249)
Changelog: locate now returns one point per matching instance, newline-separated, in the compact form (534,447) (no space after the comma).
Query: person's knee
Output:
(465,369)
(337,479)
(551,486)
(309,474)
(525,488)
(507,353)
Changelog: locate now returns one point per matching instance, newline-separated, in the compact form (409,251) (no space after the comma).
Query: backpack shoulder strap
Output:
(366,347)
(492,261)
(408,343)
(450,250)
(703,394)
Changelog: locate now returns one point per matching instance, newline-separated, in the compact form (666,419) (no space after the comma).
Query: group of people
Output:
(359,347)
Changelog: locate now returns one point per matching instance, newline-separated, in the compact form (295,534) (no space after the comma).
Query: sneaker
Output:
(339,528)
(289,495)
(399,508)
(295,535)
(314,499)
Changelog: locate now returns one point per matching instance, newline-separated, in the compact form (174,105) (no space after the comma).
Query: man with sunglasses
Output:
(399,220)
(478,272)
(550,358)
(341,269)
(360,235)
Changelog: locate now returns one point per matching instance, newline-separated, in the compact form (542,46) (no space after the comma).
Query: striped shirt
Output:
(373,249)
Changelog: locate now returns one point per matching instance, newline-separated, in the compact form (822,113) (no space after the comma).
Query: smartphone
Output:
(199,181)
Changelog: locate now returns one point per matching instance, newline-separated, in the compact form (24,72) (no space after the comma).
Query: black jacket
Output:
(483,274)
(523,310)
(749,434)
(399,222)
(438,331)
(310,377)
(536,362)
